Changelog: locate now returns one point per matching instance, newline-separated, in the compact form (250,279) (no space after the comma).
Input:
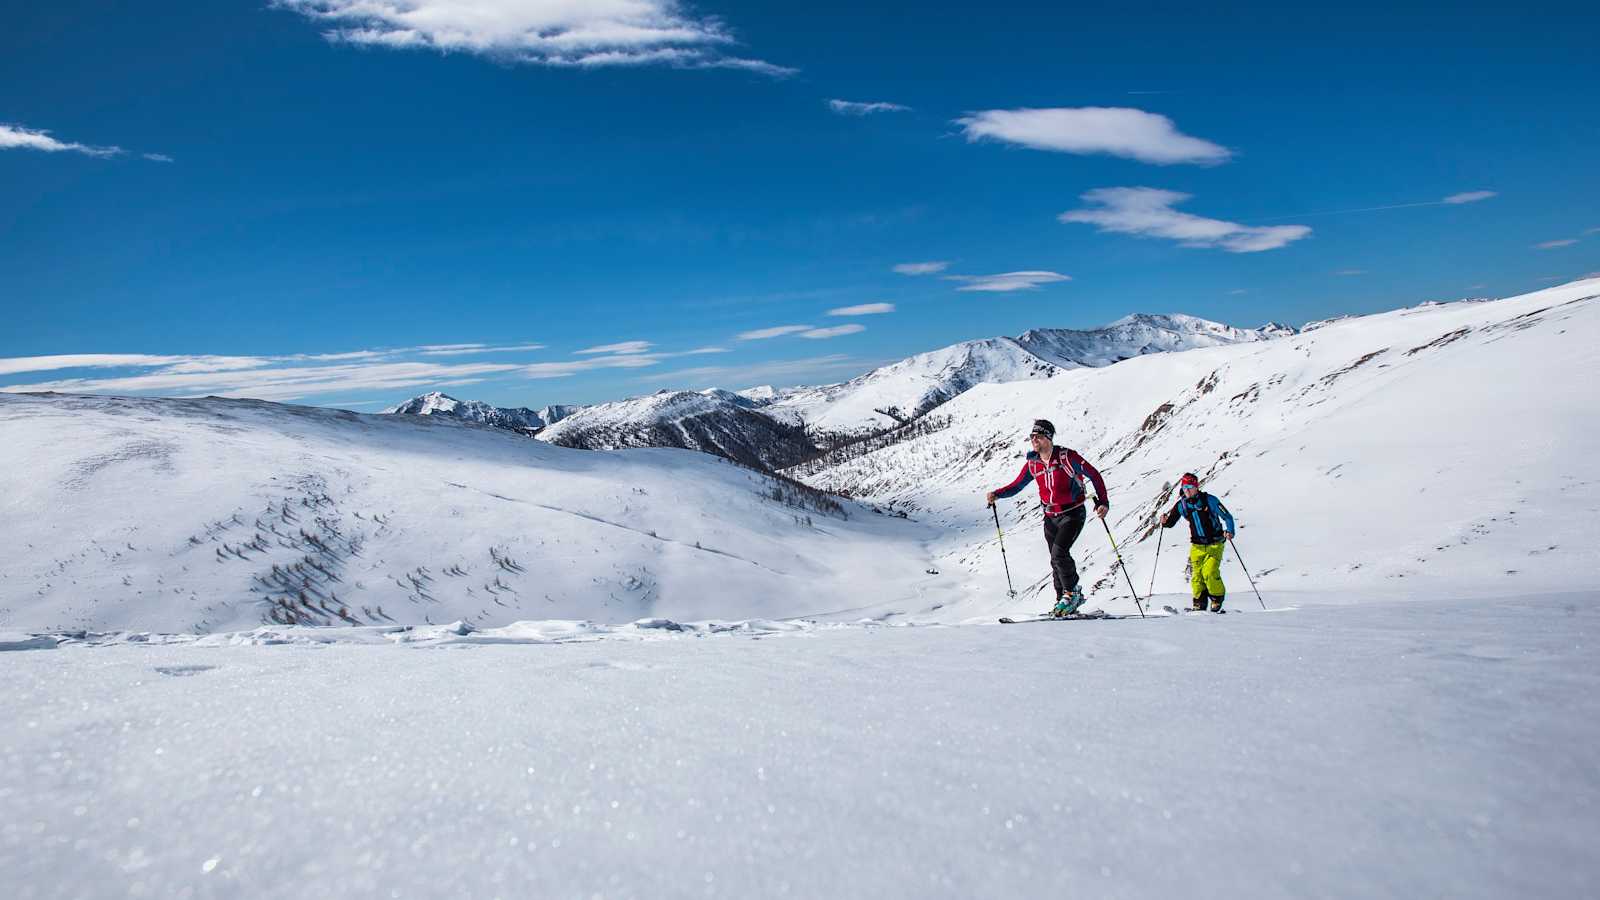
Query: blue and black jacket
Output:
(1208,518)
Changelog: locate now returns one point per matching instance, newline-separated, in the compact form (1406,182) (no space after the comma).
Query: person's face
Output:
(1190,491)
(1041,443)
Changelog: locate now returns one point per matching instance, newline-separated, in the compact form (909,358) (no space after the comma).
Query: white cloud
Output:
(157,157)
(1469,197)
(84,361)
(1588,231)
(922,268)
(760,372)
(294,376)
(1349,272)
(865,309)
(836,331)
(1116,131)
(16,137)
(589,33)
(573,367)
(1551,245)
(1007,281)
(625,348)
(1238,291)
(851,108)
(1148,212)
(271,383)
(474,349)
(761,334)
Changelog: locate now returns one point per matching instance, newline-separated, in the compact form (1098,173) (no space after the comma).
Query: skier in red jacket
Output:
(1059,472)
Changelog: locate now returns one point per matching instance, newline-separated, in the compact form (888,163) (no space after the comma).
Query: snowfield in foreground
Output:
(1437,748)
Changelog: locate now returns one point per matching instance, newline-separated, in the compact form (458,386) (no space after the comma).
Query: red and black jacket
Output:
(1060,480)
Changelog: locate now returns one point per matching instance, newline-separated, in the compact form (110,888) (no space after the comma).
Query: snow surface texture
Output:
(205,515)
(1425,749)
(1444,448)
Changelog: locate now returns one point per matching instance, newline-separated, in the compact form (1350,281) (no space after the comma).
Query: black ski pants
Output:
(1060,533)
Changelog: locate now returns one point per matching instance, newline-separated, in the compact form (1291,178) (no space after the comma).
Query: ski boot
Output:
(1200,603)
(1216,604)
(1074,600)
(1059,611)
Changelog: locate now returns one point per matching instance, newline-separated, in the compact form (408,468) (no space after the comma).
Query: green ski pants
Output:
(1205,563)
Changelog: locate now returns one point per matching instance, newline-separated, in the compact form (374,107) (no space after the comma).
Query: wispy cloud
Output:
(1350,272)
(88,361)
(852,108)
(475,349)
(590,33)
(274,382)
(1114,131)
(865,309)
(16,137)
(1452,200)
(922,268)
(760,372)
(624,348)
(157,157)
(1238,291)
(762,334)
(818,334)
(1551,245)
(1007,281)
(1148,212)
(565,368)
(295,376)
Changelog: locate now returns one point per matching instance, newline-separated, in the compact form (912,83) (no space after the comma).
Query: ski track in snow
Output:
(1384,749)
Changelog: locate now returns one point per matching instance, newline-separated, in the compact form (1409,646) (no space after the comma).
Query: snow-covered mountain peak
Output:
(436,403)
(714,421)
(1134,335)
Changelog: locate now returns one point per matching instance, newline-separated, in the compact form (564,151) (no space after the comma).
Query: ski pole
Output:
(1010,591)
(1124,567)
(1157,565)
(1246,572)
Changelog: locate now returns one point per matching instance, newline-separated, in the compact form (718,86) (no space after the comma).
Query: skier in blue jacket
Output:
(1210,526)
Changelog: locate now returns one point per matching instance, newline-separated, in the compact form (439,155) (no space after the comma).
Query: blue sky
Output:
(343,203)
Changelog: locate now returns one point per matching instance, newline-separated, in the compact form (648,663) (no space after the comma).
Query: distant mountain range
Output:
(772,428)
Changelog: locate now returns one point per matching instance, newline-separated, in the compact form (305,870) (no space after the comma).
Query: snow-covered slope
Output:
(1447,447)
(913,386)
(210,514)
(520,419)
(714,421)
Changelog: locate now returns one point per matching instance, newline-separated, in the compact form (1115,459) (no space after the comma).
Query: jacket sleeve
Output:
(1100,491)
(1223,514)
(1171,518)
(1017,484)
